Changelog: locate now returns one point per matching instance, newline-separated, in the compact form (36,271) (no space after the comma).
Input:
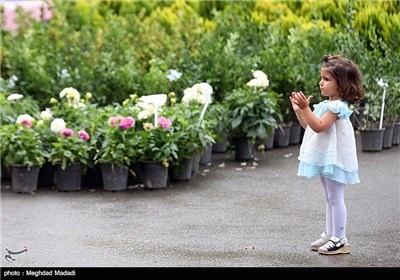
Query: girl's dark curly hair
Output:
(348,76)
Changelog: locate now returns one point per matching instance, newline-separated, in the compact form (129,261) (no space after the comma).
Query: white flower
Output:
(155,99)
(79,105)
(73,98)
(174,75)
(261,79)
(72,95)
(14,96)
(258,83)
(148,126)
(65,91)
(23,117)
(189,94)
(253,83)
(200,99)
(46,115)
(57,125)
(142,105)
(204,88)
(144,114)
(258,74)
(146,106)
(199,93)
(12,80)
(382,84)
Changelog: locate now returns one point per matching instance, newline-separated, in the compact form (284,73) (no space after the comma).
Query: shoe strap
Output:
(337,242)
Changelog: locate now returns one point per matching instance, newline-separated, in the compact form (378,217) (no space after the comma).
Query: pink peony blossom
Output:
(164,122)
(66,132)
(84,135)
(127,122)
(26,122)
(114,121)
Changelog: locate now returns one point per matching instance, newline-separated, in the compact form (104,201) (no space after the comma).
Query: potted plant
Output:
(22,151)
(216,119)
(253,114)
(191,137)
(185,137)
(194,111)
(371,131)
(392,117)
(11,106)
(157,148)
(118,149)
(69,151)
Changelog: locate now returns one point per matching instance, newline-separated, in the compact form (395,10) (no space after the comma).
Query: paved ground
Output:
(228,216)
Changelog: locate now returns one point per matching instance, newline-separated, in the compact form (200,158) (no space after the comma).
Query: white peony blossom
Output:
(204,88)
(199,93)
(261,79)
(148,126)
(14,96)
(46,115)
(145,106)
(57,125)
(72,95)
(258,74)
(258,83)
(200,99)
(73,98)
(189,94)
(65,91)
(80,105)
(145,114)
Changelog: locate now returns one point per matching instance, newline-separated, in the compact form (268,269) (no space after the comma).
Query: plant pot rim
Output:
(24,165)
(158,161)
(372,129)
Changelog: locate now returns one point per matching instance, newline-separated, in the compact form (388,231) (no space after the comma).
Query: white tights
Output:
(336,213)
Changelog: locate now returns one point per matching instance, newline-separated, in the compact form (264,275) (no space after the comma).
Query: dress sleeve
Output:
(341,108)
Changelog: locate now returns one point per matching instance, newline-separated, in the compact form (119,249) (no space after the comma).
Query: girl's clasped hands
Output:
(299,99)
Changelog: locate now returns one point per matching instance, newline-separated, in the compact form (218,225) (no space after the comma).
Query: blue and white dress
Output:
(331,153)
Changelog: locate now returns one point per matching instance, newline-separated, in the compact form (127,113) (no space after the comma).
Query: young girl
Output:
(328,149)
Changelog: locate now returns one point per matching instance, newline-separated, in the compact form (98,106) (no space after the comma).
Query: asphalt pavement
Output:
(230,214)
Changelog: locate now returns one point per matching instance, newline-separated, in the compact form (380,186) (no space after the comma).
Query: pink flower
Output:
(84,135)
(114,121)
(164,122)
(26,122)
(25,119)
(127,122)
(66,132)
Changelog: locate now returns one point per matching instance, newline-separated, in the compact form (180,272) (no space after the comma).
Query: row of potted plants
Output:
(153,128)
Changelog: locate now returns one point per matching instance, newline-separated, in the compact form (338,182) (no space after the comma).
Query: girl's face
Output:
(328,85)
